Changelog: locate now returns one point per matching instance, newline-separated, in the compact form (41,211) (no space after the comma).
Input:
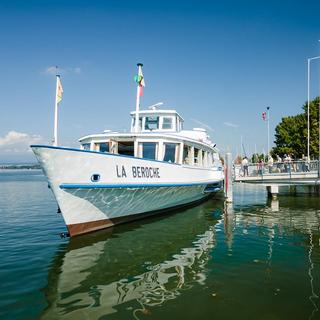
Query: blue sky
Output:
(220,63)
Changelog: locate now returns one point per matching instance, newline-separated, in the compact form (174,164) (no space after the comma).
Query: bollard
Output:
(228,178)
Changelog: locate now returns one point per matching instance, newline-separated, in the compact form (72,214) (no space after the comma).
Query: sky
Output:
(220,64)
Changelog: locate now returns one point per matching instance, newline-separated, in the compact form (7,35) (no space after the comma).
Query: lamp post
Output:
(308,143)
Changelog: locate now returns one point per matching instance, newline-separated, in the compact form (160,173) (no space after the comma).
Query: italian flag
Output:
(139,79)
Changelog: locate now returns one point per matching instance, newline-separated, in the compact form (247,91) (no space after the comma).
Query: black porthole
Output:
(95,177)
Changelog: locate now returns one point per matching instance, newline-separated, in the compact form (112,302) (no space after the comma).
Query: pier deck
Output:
(279,174)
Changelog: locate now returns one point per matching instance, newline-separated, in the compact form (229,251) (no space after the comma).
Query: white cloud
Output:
(204,125)
(230,124)
(50,70)
(53,70)
(18,142)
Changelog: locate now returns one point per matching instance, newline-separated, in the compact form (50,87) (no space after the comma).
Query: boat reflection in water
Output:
(135,267)
(206,262)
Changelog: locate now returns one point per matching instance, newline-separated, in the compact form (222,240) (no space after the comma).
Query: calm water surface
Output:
(255,259)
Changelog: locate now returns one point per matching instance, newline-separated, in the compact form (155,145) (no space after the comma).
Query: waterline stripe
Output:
(128,186)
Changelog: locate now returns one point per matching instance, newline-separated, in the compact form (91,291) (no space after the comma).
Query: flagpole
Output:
(268,118)
(308,116)
(136,128)
(55,130)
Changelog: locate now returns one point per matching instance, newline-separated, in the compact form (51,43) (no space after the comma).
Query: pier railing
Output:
(284,169)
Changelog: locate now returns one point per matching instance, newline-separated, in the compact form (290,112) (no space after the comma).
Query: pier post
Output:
(273,191)
(228,178)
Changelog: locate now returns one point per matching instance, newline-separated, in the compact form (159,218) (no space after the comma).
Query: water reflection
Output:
(258,250)
(285,217)
(137,266)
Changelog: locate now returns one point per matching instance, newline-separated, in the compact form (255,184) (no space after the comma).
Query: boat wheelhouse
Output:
(160,137)
(117,177)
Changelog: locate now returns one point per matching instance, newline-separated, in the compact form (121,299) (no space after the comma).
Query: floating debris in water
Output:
(146,311)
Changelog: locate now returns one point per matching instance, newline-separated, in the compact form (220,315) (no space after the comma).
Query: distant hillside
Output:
(20,166)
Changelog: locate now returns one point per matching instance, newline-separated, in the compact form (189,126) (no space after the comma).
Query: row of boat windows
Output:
(154,123)
(169,152)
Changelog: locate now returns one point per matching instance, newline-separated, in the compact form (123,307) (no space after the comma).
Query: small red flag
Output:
(264,115)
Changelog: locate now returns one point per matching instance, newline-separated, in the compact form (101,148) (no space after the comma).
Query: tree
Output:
(291,133)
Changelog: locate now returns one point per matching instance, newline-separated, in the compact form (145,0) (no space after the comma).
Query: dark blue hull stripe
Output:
(128,186)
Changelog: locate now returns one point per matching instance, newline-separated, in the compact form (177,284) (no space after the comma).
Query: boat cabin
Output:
(160,136)
(157,121)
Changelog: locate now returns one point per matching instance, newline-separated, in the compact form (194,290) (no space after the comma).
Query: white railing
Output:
(277,168)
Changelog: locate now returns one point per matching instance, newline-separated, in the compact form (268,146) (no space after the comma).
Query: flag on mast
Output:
(264,116)
(59,90)
(139,79)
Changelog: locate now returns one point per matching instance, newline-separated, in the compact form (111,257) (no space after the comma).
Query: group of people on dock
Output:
(286,164)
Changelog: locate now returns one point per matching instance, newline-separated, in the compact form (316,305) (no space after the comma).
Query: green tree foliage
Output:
(291,133)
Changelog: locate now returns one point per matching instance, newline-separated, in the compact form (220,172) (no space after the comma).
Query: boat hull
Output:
(97,190)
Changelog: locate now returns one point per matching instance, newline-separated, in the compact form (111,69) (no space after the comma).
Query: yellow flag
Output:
(59,90)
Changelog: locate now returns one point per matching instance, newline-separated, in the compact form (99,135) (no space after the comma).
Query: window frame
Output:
(176,151)
(171,120)
(84,146)
(145,123)
(141,148)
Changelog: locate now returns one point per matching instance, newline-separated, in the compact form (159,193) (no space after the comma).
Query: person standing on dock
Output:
(270,163)
(306,163)
(245,166)
(260,166)
(279,163)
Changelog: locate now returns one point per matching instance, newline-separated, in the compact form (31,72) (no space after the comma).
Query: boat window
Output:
(196,156)
(86,146)
(95,177)
(200,158)
(167,123)
(216,157)
(185,159)
(169,152)
(187,155)
(126,148)
(104,147)
(151,123)
(205,158)
(149,150)
(209,159)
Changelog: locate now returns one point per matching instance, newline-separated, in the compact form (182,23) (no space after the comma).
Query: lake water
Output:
(254,259)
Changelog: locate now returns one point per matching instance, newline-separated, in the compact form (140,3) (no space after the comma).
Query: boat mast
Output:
(139,79)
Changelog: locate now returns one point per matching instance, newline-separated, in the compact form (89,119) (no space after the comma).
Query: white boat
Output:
(117,177)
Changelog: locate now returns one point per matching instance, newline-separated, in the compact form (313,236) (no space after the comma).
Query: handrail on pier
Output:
(278,170)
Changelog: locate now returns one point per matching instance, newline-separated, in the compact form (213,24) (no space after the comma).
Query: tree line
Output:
(292,132)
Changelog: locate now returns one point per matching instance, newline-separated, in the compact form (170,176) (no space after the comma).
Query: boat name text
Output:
(138,172)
